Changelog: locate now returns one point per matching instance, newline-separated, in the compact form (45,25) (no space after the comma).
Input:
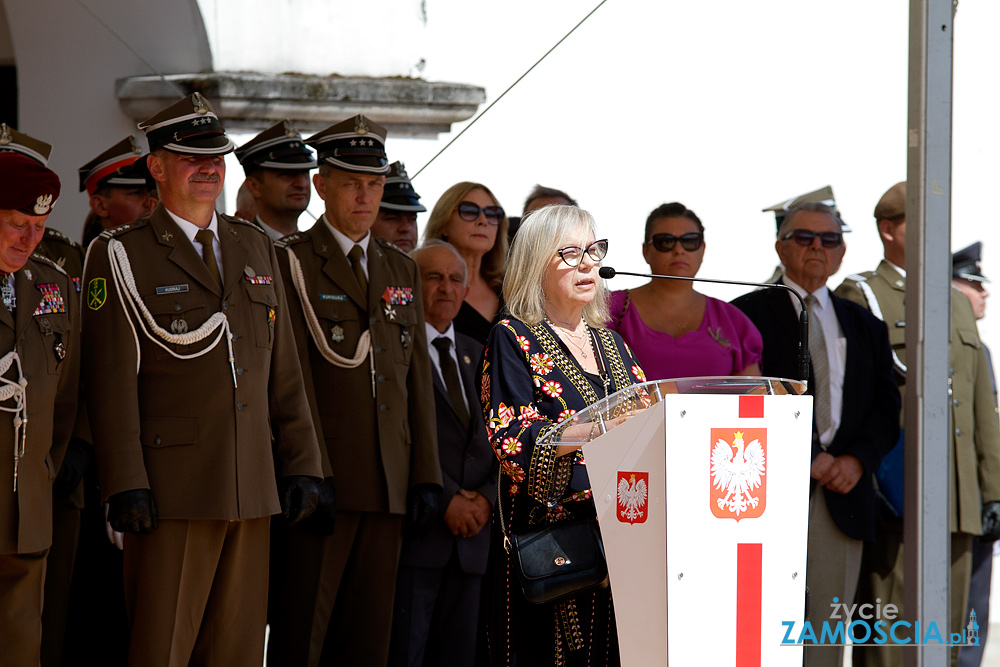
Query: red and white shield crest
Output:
(633,492)
(738,479)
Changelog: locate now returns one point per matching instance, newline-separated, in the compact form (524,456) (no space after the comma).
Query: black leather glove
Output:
(298,494)
(991,521)
(133,512)
(322,520)
(421,509)
(78,456)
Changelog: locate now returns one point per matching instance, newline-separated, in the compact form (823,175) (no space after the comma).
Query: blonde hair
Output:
(492,266)
(539,238)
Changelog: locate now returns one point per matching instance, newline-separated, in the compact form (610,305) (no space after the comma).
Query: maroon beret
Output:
(26,185)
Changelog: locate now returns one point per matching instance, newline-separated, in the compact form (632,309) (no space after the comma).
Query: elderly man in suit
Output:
(196,403)
(975,484)
(359,321)
(856,403)
(437,589)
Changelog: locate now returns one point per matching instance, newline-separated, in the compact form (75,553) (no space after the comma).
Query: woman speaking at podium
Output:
(551,358)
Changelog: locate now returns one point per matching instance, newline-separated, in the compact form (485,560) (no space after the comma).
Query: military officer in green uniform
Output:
(196,404)
(975,482)
(119,186)
(39,359)
(359,321)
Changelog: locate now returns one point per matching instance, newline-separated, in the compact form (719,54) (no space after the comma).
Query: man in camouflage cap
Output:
(362,344)
(39,348)
(196,404)
(277,164)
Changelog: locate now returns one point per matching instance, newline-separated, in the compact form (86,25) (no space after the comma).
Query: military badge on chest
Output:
(396,296)
(52,299)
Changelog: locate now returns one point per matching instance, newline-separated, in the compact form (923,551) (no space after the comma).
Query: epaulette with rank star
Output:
(56,235)
(290,240)
(121,229)
(392,246)
(249,223)
(42,259)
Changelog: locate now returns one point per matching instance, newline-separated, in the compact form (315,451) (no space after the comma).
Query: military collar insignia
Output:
(167,236)
(27,274)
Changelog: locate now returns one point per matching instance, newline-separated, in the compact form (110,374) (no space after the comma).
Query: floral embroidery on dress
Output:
(552,388)
(639,375)
(541,363)
(512,470)
(569,412)
(716,333)
(523,342)
(511,446)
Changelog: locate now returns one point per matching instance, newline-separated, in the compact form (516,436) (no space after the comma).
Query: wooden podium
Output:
(702,493)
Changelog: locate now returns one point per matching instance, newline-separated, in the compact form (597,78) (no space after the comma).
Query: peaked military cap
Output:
(356,145)
(26,185)
(116,167)
(399,194)
(189,127)
(278,147)
(17,142)
(967,263)
(893,203)
(822,196)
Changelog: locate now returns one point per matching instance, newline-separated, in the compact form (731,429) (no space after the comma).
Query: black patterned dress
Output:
(530,382)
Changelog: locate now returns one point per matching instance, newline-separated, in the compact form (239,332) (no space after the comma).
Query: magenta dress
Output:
(724,343)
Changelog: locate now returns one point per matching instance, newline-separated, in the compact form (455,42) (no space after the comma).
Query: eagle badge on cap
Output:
(199,103)
(5,137)
(43,204)
(290,130)
(135,146)
(402,171)
(361,126)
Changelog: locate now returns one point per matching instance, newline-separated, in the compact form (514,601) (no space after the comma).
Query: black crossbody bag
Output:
(563,559)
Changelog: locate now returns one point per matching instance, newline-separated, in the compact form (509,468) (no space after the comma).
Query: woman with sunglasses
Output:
(469,217)
(674,330)
(548,360)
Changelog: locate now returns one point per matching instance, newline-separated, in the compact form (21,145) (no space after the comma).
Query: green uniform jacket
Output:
(377,447)
(48,344)
(207,449)
(976,435)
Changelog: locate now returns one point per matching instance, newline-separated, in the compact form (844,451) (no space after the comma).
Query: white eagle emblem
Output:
(43,204)
(737,475)
(633,492)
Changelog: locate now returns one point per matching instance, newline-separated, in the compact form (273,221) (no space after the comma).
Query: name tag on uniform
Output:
(333,297)
(171,289)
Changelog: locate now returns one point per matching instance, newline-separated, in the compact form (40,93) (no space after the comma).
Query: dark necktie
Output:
(359,271)
(206,238)
(450,373)
(821,367)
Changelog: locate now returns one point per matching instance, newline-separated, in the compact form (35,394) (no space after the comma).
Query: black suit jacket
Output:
(869,422)
(467,462)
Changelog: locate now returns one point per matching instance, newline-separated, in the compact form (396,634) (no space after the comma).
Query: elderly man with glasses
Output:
(856,403)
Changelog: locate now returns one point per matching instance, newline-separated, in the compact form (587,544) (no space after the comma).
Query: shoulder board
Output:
(391,246)
(241,221)
(857,277)
(121,229)
(42,259)
(290,240)
(56,235)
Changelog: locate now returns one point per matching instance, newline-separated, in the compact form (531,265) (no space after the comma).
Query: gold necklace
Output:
(573,336)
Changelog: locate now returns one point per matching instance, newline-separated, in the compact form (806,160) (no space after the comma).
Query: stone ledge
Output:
(251,101)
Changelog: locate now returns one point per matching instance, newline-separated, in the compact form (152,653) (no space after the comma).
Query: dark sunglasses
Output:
(805,237)
(469,211)
(573,255)
(666,242)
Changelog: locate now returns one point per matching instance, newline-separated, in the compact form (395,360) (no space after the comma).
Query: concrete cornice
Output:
(252,101)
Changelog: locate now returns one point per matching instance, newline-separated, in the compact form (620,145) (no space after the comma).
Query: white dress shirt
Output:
(346,244)
(190,229)
(433,333)
(836,350)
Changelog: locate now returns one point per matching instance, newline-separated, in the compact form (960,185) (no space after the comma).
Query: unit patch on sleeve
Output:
(97,293)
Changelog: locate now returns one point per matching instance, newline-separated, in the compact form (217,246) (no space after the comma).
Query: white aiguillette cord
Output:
(121,274)
(364,348)
(16,390)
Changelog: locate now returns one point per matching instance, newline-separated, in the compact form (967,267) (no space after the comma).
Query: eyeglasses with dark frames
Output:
(666,242)
(572,255)
(804,237)
(469,211)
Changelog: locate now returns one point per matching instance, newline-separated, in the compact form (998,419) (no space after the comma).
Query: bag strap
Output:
(503,527)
